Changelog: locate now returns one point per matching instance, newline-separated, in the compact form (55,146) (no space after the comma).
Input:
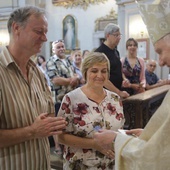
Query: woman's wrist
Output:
(130,85)
(94,144)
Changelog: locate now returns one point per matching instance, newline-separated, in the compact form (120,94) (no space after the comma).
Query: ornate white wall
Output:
(88,38)
(85,23)
(132,25)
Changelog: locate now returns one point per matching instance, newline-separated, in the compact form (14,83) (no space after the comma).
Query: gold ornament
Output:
(76,3)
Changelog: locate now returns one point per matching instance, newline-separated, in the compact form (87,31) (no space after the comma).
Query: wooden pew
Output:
(139,108)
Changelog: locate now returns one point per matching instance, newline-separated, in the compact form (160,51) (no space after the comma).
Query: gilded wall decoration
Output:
(77,3)
(100,23)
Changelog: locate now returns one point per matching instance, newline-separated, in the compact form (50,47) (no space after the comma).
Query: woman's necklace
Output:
(94,95)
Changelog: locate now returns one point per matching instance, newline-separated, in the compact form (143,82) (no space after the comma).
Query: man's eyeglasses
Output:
(117,35)
(152,65)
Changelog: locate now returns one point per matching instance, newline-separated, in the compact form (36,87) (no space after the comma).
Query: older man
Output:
(25,99)
(152,80)
(62,76)
(61,72)
(151,150)
(108,47)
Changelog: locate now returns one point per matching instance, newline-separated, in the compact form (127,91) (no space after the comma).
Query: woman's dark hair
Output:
(42,57)
(129,41)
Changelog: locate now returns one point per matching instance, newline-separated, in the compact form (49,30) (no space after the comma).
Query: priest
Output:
(150,148)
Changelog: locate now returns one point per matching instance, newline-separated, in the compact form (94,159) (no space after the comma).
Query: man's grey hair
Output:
(151,60)
(21,15)
(111,28)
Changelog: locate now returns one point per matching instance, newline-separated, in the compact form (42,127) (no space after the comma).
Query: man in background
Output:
(62,76)
(108,47)
(152,80)
(25,99)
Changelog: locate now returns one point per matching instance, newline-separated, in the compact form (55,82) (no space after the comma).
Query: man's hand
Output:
(74,81)
(45,126)
(104,139)
(163,82)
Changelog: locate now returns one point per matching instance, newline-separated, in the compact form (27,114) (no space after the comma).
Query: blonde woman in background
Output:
(77,61)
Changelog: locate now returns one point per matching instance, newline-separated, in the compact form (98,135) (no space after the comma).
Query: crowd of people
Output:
(86,113)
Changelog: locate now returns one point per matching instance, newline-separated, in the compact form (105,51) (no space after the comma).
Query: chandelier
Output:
(77,3)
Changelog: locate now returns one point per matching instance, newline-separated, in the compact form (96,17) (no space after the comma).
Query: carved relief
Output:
(100,23)
(77,3)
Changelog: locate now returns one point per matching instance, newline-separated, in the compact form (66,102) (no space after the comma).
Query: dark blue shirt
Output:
(151,78)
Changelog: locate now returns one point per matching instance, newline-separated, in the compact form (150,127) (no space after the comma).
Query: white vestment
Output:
(151,151)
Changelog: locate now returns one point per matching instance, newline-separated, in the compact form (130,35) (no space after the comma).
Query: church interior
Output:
(86,20)
(90,19)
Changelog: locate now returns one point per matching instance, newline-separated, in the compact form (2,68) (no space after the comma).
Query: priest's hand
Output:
(105,138)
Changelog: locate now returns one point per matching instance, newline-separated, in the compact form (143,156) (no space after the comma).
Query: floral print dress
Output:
(132,74)
(85,117)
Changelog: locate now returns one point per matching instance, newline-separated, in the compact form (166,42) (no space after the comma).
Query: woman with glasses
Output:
(133,68)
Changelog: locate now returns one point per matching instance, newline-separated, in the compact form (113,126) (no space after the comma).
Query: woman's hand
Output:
(123,94)
(135,86)
(126,83)
(108,152)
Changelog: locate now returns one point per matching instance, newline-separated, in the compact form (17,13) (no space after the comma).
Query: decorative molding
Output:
(77,3)
(125,2)
(39,3)
(100,23)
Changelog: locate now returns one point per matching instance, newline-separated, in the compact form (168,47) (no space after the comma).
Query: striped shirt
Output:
(21,102)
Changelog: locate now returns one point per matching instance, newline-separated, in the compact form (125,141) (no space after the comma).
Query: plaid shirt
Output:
(56,67)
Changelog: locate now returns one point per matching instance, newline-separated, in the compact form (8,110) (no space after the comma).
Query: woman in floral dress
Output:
(87,110)
(133,68)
